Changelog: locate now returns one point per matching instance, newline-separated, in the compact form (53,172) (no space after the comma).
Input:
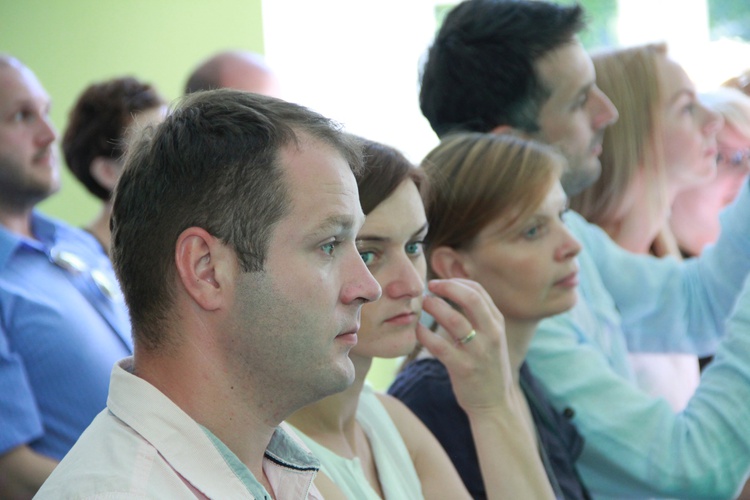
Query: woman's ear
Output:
(447,262)
(105,171)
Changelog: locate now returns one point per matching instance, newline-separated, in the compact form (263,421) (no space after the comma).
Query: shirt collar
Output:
(44,230)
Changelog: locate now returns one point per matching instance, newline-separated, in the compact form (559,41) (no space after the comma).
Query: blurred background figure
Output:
(63,320)
(96,138)
(695,212)
(740,82)
(238,70)
(663,144)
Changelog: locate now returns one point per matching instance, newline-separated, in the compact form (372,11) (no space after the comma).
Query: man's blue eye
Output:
(21,116)
(328,248)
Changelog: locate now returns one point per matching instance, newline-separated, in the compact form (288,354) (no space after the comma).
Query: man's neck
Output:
(17,221)
(222,406)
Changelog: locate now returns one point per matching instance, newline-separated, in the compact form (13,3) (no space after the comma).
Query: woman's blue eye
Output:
(531,233)
(367,257)
(414,248)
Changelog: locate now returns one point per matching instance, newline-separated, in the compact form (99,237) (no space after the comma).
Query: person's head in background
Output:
(391,245)
(28,162)
(495,216)
(695,212)
(498,64)
(663,143)
(95,140)
(740,82)
(237,70)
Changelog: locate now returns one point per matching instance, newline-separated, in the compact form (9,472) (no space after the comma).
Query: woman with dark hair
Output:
(370,445)
(495,216)
(96,138)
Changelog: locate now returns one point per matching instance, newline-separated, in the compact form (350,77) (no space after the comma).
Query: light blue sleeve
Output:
(671,306)
(19,413)
(635,445)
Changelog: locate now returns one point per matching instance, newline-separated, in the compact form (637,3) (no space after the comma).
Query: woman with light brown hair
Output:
(663,144)
(495,216)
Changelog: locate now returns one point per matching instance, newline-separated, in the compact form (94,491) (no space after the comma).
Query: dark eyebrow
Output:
(380,239)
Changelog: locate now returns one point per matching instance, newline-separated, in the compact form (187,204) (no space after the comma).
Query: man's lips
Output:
(349,336)
(43,158)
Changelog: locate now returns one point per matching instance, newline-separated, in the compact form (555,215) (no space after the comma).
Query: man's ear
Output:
(205,267)
(502,129)
(447,262)
(105,171)
(508,130)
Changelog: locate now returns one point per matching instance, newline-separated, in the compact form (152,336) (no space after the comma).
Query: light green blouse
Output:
(396,472)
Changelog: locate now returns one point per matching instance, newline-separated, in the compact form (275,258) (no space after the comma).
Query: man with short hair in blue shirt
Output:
(63,321)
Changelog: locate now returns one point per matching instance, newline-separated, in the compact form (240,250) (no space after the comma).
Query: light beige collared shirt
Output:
(145,446)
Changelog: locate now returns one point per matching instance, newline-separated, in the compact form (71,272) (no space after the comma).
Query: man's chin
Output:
(575,181)
(344,376)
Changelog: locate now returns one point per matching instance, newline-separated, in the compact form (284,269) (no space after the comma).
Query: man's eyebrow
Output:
(337,223)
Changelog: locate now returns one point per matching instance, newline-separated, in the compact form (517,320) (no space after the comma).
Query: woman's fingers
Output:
(455,324)
(469,296)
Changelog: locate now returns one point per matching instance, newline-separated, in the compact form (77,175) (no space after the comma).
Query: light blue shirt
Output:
(634,443)
(62,327)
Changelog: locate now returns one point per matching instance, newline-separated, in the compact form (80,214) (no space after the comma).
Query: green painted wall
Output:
(72,43)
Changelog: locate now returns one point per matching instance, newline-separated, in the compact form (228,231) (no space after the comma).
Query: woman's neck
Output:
(641,218)
(332,420)
(99,227)
(519,334)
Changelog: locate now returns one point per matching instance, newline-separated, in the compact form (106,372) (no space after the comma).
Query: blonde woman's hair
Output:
(630,78)
(733,105)
(476,178)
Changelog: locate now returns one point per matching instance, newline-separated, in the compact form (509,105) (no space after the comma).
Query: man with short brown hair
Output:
(234,227)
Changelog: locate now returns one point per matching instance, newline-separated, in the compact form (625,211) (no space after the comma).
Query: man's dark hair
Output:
(213,163)
(480,70)
(97,125)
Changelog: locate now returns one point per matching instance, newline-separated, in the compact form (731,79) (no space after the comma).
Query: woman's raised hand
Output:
(471,343)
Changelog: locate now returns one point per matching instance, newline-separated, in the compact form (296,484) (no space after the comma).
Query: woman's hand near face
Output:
(482,379)
(480,369)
